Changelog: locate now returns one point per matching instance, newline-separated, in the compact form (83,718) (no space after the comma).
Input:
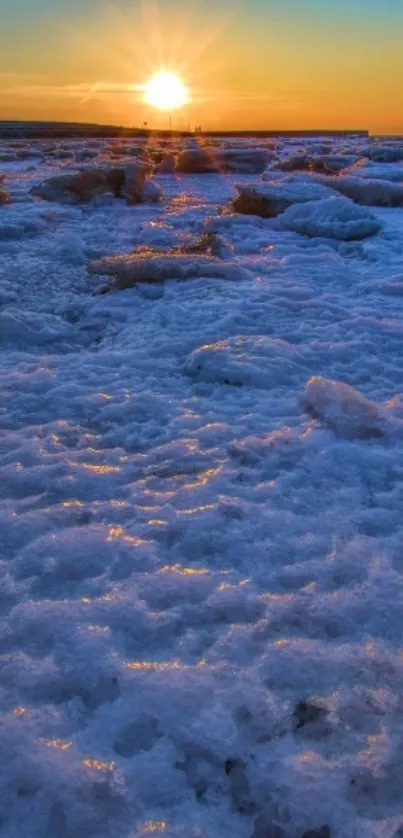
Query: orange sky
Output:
(257,64)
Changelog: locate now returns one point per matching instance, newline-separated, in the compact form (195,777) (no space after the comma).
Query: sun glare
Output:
(166,91)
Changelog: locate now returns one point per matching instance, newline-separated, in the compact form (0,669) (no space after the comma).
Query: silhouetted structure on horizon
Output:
(81,130)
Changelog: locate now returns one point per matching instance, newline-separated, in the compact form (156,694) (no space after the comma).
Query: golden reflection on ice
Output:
(58,744)
(99,764)
(116,532)
(153,666)
(20,711)
(155,826)
(184,571)
(72,504)
(101,469)
(120,532)
(204,478)
(197,509)
(307,757)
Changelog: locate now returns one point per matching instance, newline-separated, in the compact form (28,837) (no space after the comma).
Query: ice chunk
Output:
(136,189)
(271,199)
(377,193)
(255,360)
(130,269)
(167,165)
(343,409)
(378,171)
(213,161)
(83,186)
(323,163)
(334,218)
(388,153)
(3,193)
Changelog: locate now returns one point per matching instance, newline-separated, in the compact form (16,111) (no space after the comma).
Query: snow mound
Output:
(270,199)
(213,161)
(256,361)
(131,269)
(334,218)
(83,186)
(343,409)
(375,193)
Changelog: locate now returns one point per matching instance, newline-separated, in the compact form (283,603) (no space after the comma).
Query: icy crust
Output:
(200,515)
(334,218)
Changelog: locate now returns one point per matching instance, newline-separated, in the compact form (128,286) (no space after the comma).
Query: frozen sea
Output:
(201,553)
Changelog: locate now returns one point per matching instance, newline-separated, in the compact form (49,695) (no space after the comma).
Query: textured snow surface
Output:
(201,489)
(334,218)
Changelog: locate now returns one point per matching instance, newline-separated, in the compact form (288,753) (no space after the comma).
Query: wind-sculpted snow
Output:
(201,527)
(333,218)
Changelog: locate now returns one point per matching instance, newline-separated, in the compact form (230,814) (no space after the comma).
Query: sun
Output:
(166,91)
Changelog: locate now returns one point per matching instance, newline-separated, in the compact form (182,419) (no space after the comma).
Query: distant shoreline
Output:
(15,130)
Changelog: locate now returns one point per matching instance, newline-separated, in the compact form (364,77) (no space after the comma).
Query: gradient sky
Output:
(248,63)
